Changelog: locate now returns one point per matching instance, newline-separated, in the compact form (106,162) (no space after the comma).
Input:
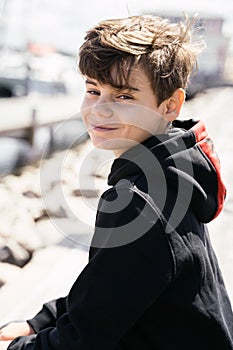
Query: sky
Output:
(63,23)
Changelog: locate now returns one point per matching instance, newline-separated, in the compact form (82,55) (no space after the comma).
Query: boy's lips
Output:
(103,127)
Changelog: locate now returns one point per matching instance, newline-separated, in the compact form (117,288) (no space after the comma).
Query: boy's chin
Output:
(115,145)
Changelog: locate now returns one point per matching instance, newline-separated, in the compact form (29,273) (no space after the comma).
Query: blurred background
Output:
(40,95)
(39,40)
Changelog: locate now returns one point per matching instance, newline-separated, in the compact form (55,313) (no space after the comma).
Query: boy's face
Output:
(119,119)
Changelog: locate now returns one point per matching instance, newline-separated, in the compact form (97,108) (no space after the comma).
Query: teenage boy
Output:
(152,281)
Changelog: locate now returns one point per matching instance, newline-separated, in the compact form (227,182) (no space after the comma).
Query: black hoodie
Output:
(152,281)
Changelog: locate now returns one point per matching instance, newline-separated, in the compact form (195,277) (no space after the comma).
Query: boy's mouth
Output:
(102,127)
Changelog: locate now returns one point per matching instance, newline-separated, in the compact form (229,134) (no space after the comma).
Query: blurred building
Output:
(212,62)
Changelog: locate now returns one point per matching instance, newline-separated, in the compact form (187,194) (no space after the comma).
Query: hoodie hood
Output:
(182,162)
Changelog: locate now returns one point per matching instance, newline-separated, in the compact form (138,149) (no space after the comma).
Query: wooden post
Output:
(32,129)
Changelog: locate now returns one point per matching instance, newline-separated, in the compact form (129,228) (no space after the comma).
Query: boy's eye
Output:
(124,97)
(93,92)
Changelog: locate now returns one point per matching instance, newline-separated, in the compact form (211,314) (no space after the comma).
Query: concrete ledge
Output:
(49,275)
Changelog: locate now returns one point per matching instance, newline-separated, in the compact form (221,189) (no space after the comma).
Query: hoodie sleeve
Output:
(120,282)
(48,315)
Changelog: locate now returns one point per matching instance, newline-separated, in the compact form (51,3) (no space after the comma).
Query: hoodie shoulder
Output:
(209,167)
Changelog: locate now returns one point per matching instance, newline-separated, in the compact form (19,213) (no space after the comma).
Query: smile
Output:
(102,128)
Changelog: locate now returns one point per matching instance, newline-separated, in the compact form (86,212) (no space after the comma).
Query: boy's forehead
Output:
(122,87)
(135,83)
(131,78)
(137,79)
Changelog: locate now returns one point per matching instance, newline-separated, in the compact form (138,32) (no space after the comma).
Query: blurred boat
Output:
(38,69)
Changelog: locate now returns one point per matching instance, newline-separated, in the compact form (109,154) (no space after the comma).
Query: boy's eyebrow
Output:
(90,82)
(123,88)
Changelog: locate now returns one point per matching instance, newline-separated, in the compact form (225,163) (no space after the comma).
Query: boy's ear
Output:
(170,108)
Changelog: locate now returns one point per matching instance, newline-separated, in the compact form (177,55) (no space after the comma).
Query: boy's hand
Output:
(14,330)
(4,344)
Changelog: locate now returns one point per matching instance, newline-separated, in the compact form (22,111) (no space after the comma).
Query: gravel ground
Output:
(50,248)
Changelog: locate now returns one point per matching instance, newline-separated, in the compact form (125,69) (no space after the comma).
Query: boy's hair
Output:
(165,50)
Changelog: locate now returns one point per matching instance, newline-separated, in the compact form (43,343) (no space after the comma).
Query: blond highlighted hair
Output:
(166,51)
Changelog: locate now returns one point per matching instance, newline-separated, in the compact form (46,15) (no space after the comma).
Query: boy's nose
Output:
(103,109)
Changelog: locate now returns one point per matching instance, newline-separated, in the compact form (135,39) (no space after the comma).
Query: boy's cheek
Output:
(84,111)
(84,118)
(85,123)
(85,106)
